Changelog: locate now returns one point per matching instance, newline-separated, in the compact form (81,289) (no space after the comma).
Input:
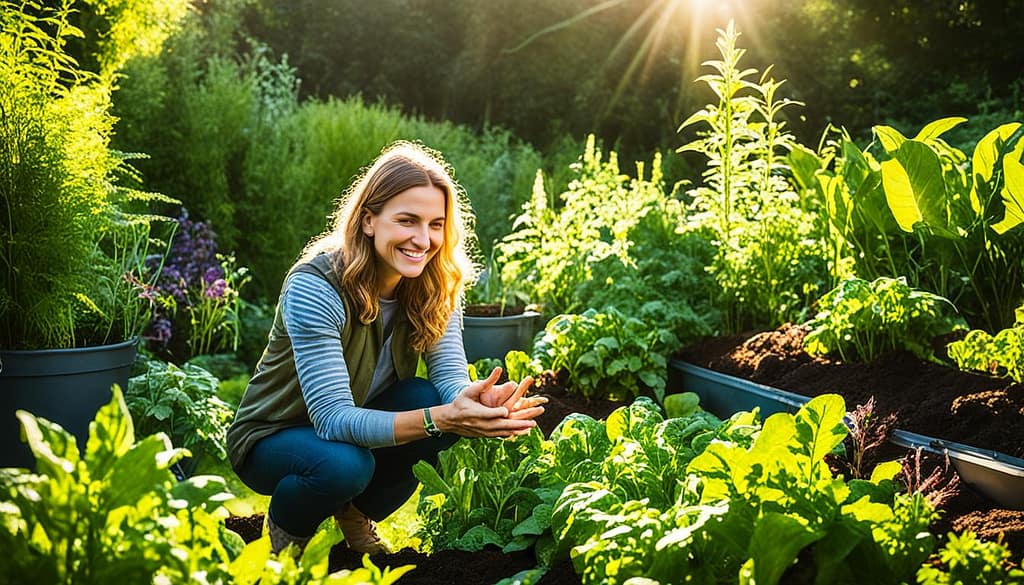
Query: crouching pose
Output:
(334,417)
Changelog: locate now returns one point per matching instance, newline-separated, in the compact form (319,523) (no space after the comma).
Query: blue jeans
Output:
(310,479)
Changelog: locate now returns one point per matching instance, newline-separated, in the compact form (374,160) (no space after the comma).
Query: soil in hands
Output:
(927,398)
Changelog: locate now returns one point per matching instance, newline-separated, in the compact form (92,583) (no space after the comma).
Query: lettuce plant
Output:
(1001,354)
(861,320)
(484,492)
(607,355)
(759,509)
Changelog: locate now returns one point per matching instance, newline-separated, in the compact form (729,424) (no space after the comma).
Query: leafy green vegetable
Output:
(751,506)
(116,514)
(1001,354)
(862,320)
(965,559)
(682,404)
(606,355)
(183,403)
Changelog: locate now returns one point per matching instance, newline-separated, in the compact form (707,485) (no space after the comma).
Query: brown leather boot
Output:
(280,539)
(360,531)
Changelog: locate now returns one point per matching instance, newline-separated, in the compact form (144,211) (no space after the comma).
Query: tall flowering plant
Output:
(197,303)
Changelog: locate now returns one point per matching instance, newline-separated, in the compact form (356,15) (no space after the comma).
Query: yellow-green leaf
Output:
(884,471)
(914,187)
(983,162)
(890,138)
(1013,190)
(938,128)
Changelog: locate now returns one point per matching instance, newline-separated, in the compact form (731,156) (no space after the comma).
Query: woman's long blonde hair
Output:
(430,299)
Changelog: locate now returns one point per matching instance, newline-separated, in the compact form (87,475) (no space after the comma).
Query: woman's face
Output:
(407,233)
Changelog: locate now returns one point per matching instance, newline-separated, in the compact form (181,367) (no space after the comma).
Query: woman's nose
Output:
(422,236)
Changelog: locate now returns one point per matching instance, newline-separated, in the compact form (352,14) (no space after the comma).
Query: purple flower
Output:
(213,274)
(159,330)
(217,289)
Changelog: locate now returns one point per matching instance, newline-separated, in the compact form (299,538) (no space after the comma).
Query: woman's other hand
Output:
(469,417)
(512,396)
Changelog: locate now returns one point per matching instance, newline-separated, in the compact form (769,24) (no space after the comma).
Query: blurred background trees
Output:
(624,68)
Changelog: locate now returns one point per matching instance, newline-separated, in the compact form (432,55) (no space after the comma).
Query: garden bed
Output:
(774,359)
(454,566)
(927,398)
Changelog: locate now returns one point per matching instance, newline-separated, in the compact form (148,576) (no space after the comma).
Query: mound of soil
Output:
(926,398)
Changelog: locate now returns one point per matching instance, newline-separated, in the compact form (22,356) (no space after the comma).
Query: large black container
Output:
(65,386)
(493,337)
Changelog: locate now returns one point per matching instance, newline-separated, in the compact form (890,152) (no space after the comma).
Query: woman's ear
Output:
(367,222)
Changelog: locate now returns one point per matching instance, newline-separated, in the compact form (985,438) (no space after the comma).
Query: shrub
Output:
(183,404)
(72,251)
(606,355)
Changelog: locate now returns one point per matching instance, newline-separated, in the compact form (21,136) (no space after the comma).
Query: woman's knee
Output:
(344,473)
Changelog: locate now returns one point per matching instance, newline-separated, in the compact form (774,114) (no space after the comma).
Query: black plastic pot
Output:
(493,337)
(65,386)
(998,476)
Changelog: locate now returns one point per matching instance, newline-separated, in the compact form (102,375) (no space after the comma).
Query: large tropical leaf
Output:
(914,188)
(1013,191)
(983,163)
(890,138)
(937,128)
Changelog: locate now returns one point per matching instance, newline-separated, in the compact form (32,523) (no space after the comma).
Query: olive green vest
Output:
(273,399)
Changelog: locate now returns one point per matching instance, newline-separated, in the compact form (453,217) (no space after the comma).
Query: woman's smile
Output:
(407,233)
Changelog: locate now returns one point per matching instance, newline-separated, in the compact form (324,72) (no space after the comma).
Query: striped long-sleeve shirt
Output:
(314,316)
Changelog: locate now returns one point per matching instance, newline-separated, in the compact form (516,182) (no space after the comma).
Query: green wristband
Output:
(429,426)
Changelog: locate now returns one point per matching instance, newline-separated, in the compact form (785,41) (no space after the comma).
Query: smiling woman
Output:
(334,417)
(407,231)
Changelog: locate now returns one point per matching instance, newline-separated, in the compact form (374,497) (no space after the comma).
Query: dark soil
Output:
(493,310)
(926,398)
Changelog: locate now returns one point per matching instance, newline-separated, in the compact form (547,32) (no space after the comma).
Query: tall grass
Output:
(231,140)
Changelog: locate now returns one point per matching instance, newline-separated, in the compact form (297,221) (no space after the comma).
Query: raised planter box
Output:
(998,476)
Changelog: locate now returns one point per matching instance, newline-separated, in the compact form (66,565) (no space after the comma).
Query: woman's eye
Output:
(437,225)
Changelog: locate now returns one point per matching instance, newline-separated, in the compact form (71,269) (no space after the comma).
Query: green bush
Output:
(947,221)
(612,241)
(231,139)
(606,355)
(72,253)
(181,403)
